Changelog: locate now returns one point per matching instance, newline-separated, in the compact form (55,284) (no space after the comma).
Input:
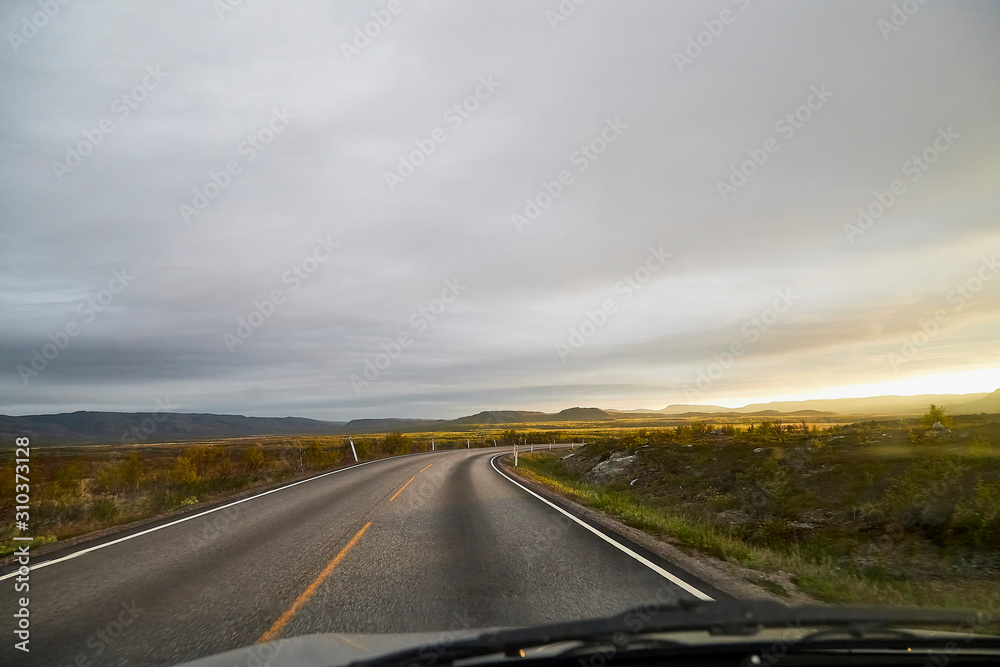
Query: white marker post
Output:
(353,451)
(467,445)
(432,445)
(515,454)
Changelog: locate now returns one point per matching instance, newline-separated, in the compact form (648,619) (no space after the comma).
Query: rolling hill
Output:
(988,403)
(113,427)
(136,427)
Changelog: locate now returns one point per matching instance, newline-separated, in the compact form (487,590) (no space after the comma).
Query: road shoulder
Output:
(728,578)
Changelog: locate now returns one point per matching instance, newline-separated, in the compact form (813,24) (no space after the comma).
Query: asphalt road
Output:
(429,542)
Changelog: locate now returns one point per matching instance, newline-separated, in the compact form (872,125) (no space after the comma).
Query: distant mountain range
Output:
(525,417)
(136,427)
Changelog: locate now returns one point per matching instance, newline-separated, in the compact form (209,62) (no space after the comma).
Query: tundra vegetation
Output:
(879,512)
(80,489)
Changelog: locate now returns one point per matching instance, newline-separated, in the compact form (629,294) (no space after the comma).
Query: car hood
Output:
(334,649)
(324,650)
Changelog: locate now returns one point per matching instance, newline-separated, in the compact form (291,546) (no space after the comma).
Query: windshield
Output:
(379,317)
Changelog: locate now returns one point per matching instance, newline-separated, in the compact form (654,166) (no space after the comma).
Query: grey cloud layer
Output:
(324,175)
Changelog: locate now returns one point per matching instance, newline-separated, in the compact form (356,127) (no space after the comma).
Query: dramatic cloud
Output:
(259,208)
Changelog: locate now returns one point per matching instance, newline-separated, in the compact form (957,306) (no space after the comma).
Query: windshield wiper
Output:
(742,618)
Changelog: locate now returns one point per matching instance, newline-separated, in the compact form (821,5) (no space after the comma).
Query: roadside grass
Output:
(770,586)
(865,514)
(654,520)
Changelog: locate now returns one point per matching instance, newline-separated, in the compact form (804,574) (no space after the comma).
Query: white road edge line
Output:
(645,561)
(214,509)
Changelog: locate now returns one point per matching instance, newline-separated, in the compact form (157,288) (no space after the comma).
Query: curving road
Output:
(428,542)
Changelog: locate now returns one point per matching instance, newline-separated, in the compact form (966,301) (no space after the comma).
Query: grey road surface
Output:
(461,546)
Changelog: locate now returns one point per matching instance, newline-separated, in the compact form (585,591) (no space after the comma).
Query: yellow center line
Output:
(401,489)
(411,479)
(307,593)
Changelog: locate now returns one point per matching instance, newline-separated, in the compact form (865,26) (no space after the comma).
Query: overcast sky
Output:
(128,257)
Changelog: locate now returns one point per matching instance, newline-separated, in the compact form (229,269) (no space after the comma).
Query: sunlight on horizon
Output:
(963,382)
